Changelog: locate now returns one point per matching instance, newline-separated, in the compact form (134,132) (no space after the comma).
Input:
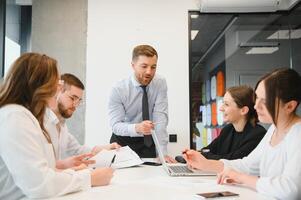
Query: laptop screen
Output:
(158,147)
(167,167)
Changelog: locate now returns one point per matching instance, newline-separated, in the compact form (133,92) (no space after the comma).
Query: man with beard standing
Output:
(139,104)
(68,151)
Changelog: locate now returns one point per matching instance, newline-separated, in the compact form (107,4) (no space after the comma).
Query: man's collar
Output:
(134,81)
(53,118)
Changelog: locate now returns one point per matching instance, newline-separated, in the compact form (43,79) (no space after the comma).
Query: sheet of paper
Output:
(125,157)
(103,158)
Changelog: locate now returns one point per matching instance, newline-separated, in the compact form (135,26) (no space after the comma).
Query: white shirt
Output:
(64,143)
(125,108)
(278,167)
(27,163)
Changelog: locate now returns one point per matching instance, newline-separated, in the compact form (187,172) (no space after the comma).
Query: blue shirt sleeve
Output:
(125,108)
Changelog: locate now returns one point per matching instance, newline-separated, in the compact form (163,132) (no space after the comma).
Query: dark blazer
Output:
(233,145)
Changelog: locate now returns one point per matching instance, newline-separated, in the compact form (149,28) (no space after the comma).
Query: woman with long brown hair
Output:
(27,162)
(242,133)
(273,167)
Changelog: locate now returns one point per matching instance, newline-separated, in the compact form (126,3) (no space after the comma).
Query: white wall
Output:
(114,28)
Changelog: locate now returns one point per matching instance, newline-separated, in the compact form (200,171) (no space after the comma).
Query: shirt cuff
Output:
(226,164)
(86,178)
(83,178)
(86,149)
(261,183)
(132,131)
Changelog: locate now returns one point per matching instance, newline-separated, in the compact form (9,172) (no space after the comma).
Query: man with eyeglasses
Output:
(68,152)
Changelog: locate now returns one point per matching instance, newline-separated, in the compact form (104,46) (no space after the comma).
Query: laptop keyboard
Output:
(180,169)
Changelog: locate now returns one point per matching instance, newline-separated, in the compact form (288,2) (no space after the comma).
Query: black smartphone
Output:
(209,195)
(152,163)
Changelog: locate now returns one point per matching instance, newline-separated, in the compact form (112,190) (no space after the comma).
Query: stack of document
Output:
(124,157)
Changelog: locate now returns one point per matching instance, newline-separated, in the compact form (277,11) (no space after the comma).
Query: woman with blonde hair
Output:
(27,162)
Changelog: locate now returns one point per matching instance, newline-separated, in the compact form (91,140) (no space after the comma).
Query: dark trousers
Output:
(136,144)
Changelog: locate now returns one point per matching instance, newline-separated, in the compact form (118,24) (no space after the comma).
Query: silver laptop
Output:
(177,169)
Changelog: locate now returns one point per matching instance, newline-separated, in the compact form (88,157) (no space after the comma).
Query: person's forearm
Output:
(248,180)
(124,129)
(60,164)
(214,166)
(211,156)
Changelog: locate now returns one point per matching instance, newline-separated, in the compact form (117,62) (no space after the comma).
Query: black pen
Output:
(184,152)
(113,159)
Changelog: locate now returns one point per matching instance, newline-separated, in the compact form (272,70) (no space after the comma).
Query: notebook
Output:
(177,169)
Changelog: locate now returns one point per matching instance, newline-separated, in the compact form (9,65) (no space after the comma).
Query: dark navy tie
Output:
(145,116)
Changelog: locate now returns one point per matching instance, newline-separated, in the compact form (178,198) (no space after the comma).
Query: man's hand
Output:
(75,161)
(79,167)
(101,176)
(144,127)
(111,146)
(169,159)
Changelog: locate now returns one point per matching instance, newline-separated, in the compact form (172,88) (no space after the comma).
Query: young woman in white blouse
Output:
(27,162)
(273,168)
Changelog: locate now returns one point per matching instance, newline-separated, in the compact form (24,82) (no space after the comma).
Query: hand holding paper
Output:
(120,158)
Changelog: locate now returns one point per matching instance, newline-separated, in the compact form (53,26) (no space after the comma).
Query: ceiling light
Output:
(258,44)
(24,2)
(285,34)
(262,50)
(296,34)
(281,34)
(194,33)
(194,16)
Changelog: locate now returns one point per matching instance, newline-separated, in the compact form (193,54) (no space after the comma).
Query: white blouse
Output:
(278,167)
(27,162)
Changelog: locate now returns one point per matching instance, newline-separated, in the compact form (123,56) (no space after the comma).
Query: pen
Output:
(184,152)
(113,159)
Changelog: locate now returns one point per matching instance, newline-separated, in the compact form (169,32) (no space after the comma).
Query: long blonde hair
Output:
(31,81)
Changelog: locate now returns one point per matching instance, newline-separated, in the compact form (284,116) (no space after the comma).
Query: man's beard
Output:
(64,112)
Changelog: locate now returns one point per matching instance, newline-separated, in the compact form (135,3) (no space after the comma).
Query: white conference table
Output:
(152,182)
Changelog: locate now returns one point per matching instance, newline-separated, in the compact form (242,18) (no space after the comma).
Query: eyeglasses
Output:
(75,99)
(61,82)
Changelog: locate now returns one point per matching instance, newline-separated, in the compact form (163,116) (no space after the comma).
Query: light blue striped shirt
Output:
(125,108)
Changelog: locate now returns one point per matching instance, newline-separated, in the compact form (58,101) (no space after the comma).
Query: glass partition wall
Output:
(235,49)
(15,31)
